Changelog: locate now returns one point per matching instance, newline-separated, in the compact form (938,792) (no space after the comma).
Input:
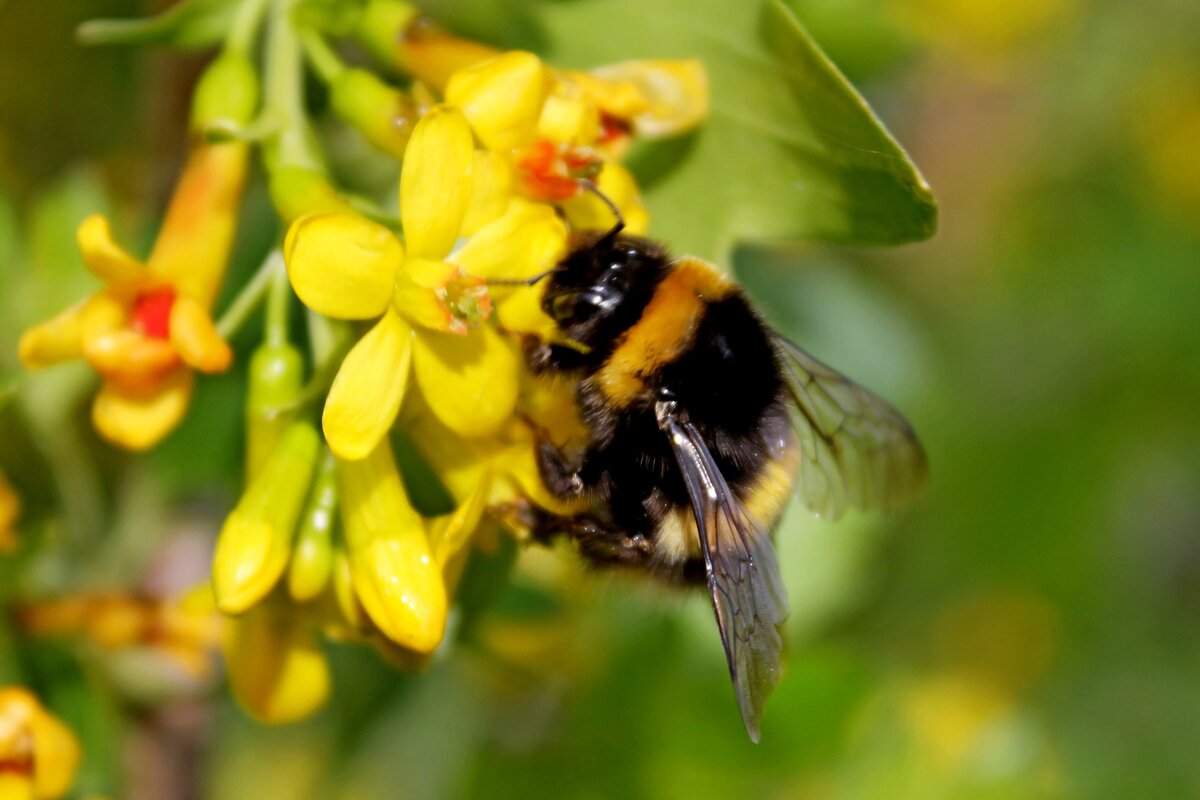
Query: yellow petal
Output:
(103,256)
(521,312)
(10,509)
(492,186)
(660,97)
(395,575)
(57,339)
(569,116)
(57,757)
(425,307)
(526,241)
(138,420)
(16,786)
(255,542)
(130,357)
(192,247)
(502,98)
(352,611)
(367,391)
(196,339)
(586,211)
(455,530)
(276,668)
(342,265)
(429,273)
(469,382)
(435,182)
(29,732)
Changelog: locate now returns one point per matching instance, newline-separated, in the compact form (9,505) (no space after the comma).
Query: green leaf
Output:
(790,150)
(188,24)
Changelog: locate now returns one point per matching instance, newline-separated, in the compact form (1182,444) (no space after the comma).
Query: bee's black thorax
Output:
(683,330)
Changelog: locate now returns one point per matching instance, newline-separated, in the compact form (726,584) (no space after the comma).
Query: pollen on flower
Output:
(151,313)
(550,171)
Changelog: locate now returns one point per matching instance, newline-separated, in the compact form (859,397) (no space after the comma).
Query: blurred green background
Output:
(1031,629)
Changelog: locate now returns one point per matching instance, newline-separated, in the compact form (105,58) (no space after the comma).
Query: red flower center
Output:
(551,172)
(152,312)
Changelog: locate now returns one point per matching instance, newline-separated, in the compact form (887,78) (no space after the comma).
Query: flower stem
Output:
(294,145)
(246,22)
(247,300)
(324,60)
(279,300)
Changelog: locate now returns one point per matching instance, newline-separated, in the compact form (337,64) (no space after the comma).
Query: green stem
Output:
(247,300)
(324,60)
(285,89)
(279,301)
(246,22)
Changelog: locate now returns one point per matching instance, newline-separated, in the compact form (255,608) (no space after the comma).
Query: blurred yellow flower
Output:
(982,29)
(149,327)
(10,509)
(276,668)
(347,267)
(183,630)
(39,755)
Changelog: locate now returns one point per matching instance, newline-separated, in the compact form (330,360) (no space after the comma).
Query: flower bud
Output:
(227,91)
(312,554)
(297,190)
(383,115)
(276,668)
(395,574)
(252,551)
(276,378)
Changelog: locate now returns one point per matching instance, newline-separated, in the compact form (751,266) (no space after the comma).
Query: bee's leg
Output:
(599,542)
(564,476)
(543,357)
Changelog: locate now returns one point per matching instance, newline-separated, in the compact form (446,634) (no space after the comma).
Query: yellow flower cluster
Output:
(38,753)
(489,190)
(324,539)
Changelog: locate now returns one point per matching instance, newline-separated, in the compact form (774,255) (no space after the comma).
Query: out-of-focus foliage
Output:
(1030,630)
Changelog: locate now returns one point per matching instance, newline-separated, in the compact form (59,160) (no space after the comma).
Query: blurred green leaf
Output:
(790,149)
(191,23)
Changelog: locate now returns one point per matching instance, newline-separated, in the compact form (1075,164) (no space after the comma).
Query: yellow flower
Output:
(256,540)
(276,668)
(38,753)
(344,266)
(149,327)
(547,131)
(507,461)
(183,630)
(394,571)
(10,509)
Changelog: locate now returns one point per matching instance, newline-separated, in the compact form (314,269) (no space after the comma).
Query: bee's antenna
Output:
(588,186)
(521,281)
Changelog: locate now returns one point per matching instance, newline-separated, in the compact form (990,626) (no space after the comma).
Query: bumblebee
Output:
(701,419)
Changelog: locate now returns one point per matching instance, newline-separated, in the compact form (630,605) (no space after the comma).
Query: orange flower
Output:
(38,754)
(149,327)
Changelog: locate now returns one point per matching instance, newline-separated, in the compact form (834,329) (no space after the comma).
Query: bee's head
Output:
(600,288)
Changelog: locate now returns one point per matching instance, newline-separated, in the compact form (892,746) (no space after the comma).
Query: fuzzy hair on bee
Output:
(702,422)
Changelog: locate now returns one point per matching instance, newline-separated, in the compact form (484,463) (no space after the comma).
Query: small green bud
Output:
(227,91)
(276,375)
(312,553)
(379,112)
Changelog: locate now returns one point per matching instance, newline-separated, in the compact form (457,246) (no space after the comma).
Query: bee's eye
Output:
(582,305)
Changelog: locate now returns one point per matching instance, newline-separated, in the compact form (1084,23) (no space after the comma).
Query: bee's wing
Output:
(743,576)
(855,448)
